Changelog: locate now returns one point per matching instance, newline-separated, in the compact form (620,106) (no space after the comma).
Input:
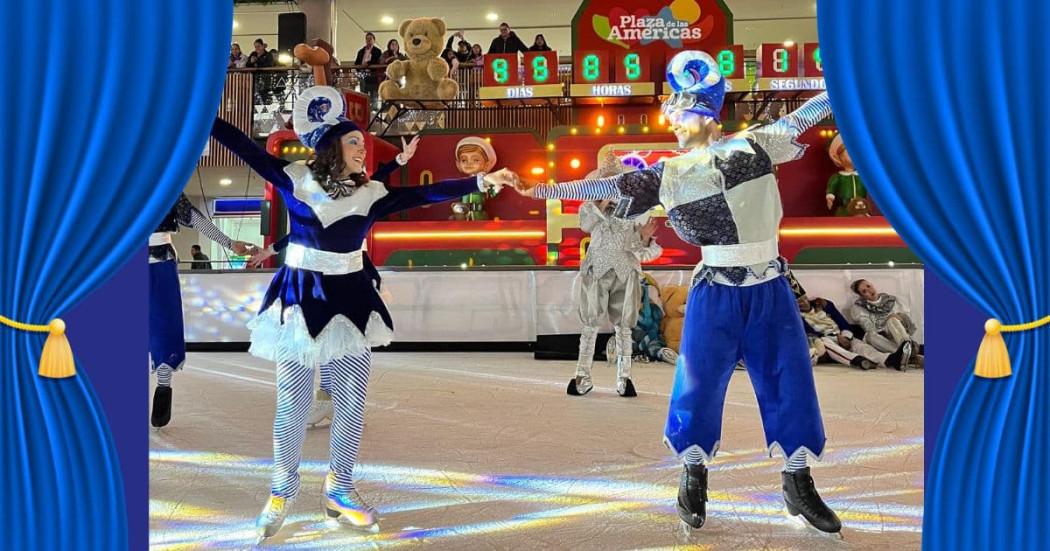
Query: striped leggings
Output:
(347,379)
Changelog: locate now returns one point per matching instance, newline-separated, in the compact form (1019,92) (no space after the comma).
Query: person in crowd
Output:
(237,58)
(823,321)
(477,56)
(201,260)
(507,42)
(392,53)
(260,57)
(885,322)
(453,63)
(368,55)
(462,50)
(539,44)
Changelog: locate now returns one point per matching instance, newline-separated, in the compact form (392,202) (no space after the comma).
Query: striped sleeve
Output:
(189,216)
(780,139)
(635,192)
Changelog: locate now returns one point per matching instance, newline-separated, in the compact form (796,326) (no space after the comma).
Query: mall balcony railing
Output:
(253,99)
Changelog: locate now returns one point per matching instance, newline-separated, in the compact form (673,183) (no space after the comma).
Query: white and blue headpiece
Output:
(698,84)
(318,111)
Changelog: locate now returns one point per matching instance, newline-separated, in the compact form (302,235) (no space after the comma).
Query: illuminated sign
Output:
(778,60)
(501,70)
(591,67)
(633,67)
(541,67)
(791,84)
(521,92)
(613,90)
(812,63)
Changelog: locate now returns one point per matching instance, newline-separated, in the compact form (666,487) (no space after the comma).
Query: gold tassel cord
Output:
(993,359)
(56,360)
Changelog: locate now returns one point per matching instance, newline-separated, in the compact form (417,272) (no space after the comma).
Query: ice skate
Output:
(272,517)
(161,406)
(692,495)
(349,509)
(322,409)
(899,360)
(862,363)
(578,386)
(801,498)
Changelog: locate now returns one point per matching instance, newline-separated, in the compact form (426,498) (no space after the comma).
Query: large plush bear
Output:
(674,298)
(425,73)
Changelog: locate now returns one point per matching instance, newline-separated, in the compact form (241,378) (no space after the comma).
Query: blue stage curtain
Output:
(942,105)
(107,107)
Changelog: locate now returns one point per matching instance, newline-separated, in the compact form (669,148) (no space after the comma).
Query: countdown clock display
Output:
(730,63)
(627,74)
(778,61)
(541,68)
(501,70)
(504,78)
(812,64)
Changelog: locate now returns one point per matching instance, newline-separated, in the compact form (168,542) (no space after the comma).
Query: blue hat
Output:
(318,117)
(697,82)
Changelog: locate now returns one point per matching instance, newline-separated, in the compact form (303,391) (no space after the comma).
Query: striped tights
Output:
(797,462)
(348,384)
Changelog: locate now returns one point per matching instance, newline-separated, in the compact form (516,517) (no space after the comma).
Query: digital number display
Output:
(778,60)
(813,65)
(591,67)
(633,67)
(731,61)
(501,70)
(541,68)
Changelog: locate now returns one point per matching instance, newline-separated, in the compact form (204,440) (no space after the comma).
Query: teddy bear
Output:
(673,297)
(425,74)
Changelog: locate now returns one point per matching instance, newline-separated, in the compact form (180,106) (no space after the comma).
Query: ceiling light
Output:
(789,43)
(225,182)
(491,16)
(386,20)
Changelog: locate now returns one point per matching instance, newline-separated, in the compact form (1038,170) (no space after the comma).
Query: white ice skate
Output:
(349,509)
(272,517)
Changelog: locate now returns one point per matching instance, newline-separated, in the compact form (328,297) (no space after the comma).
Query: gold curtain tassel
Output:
(993,359)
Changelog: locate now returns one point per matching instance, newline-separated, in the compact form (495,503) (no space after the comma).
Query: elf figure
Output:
(845,188)
(474,156)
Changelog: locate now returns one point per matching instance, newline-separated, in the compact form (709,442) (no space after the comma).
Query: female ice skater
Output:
(723,197)
(167,343)
(323,307)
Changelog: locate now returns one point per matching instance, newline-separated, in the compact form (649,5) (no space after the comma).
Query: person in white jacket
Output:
(610,280)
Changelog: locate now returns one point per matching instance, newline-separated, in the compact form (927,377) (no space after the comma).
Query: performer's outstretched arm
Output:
(780,139)
(408,150)
(269,167)
(404,198)
(188,215)
(637,192)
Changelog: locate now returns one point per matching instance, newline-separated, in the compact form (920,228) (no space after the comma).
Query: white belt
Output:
(326,262)
(745,254)
(160,238)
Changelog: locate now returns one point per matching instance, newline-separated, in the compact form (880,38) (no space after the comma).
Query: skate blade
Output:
(801,522)
(345,521)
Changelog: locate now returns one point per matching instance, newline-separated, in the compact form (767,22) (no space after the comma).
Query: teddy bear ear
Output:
(440,24)
(404,27)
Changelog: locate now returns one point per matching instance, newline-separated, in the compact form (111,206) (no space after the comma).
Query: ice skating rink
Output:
(486,451)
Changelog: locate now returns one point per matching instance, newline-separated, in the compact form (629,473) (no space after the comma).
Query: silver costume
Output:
(610,282)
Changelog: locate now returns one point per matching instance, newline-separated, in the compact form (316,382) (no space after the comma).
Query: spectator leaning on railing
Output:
(202,260)
(507,42)
(369,55)
(539,44)
(260,57)
(237,58)
(477,56)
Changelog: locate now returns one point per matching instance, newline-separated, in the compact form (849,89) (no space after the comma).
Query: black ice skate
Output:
(579,386)
(692,495)
(801,497)
(899,359)
(161,406)
(862,363)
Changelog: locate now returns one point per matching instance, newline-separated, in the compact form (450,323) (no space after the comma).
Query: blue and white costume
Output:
(323,308)
(167,346)
(724,199)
